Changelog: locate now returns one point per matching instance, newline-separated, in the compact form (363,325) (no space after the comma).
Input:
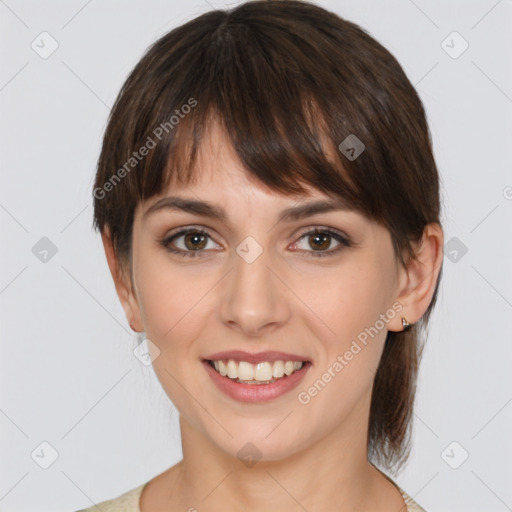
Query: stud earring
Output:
(405,324)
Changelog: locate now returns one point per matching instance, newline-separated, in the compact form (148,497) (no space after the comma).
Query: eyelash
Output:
(344,242)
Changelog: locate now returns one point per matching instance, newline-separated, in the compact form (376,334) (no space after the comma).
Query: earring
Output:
(405,324)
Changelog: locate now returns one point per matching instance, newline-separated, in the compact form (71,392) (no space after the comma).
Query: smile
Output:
(264,372)
(251,383)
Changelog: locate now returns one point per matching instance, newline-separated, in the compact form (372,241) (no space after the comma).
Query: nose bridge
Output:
(254,298)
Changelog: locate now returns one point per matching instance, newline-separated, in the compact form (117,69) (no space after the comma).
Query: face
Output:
(253,283)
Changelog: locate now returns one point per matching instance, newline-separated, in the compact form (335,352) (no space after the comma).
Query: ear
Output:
(123,284)
(417,280)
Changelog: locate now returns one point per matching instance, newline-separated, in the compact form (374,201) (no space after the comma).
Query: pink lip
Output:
(240,355)
(256,392)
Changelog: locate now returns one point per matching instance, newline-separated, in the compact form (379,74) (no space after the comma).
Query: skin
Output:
(314,456)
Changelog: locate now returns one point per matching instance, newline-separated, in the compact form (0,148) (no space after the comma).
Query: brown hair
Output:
(288,81)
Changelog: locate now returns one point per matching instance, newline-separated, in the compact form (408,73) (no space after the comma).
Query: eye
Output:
(320,239)
(194,241)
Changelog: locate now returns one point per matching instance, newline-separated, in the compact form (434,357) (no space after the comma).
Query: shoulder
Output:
(127,502)
(412,506)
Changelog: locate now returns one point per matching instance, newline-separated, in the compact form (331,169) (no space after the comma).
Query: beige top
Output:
(129,502)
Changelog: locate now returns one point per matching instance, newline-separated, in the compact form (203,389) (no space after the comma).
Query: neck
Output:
(333,474)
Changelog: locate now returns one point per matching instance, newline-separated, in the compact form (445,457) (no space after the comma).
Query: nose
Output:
(254,299)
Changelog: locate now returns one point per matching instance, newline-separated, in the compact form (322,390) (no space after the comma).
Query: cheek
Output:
(343,301)
(170,301)
(349,306)
(173,315)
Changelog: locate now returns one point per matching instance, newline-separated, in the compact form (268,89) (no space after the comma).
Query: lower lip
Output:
(256,392)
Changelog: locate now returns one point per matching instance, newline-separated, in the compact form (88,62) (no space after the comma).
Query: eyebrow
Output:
(206,209)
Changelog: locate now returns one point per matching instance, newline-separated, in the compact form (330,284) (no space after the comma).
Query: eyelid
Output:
(182,230)
(319,227)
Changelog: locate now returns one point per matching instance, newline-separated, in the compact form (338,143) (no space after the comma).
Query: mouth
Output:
(255,382)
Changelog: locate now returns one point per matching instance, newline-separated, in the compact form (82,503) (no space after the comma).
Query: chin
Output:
(256,445)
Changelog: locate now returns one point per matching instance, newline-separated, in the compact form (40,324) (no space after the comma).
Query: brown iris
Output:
(194,238)
(315,240)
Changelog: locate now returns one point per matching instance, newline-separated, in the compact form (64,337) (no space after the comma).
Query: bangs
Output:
(285,132)
(283,158)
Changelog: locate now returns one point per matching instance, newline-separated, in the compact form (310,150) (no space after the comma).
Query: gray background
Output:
(69,377)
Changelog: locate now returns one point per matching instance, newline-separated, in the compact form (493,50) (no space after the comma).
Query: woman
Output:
(269,206)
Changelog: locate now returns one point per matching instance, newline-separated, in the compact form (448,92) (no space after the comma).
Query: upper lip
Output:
(254,358)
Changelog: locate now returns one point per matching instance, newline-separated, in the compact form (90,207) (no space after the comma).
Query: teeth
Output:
(278,369)
(243,370)
(262,372)
(256,373)
(289,366)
